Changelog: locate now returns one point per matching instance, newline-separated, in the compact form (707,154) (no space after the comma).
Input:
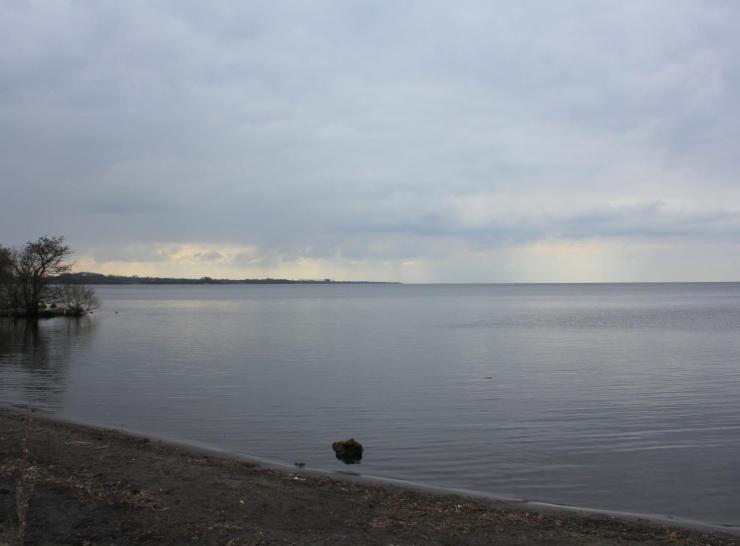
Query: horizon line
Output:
(282,280)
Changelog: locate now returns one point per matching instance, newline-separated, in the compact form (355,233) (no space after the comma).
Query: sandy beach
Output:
(90,486)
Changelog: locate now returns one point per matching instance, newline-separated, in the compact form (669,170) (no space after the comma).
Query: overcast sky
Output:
(418,141)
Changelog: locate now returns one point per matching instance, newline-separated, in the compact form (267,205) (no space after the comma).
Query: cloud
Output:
(376,132)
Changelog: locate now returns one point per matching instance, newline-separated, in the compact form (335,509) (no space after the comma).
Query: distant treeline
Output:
(98,278)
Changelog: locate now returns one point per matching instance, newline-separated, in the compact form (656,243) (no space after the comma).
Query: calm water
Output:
(622,397)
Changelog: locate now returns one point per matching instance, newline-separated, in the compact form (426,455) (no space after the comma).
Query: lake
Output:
(622,397)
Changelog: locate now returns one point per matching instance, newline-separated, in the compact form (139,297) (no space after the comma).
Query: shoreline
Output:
(440,515)
(507,501)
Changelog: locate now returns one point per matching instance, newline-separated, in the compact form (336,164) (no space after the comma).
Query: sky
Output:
(413,141)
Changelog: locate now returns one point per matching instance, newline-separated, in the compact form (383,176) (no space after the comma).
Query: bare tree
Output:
(5,261)
(6,277)
(77,299)
(32,268)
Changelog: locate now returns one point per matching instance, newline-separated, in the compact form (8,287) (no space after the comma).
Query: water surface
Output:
(622,397)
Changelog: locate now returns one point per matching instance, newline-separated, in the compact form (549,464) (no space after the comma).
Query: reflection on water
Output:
(623,397)
(34,357)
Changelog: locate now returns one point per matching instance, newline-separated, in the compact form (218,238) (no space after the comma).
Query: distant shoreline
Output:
(99,279)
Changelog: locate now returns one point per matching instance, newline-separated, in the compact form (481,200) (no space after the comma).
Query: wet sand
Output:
(91,486)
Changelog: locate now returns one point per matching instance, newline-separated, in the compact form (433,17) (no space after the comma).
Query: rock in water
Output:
(348,451)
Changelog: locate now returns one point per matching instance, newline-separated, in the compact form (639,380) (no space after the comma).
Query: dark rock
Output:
(348,451)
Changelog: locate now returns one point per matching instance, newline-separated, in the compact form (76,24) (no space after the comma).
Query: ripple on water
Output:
(622,397)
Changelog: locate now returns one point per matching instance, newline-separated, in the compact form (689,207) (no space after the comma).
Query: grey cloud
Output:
(651,220)
(127,253)
(351,127)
